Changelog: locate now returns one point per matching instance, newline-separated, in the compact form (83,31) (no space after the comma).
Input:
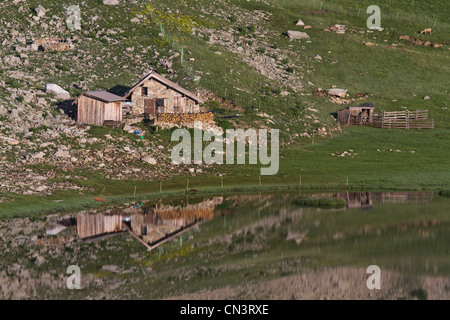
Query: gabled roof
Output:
(103,96)
(172,85)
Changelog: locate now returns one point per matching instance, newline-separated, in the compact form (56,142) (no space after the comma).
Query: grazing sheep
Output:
(428,30)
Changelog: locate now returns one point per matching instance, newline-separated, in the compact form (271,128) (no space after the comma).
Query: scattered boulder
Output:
(149,160)
(317,57)
(336,28)
(297,35)
(55,230)
(10,140)
(368,44)
(40,11)
(426,98)
(300,23)
(111,2)
(62,153)
(59,92)
(338,92)
(38,155)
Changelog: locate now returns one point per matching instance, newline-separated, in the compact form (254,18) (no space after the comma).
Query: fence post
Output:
(407,120)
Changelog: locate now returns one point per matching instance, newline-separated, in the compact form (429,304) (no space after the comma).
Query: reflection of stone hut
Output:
(164,220)
(360,115)
(155,94)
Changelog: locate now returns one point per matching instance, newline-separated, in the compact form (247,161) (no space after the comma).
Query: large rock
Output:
(62,153)
(40,11)
(38,155)
(300,23)
(338,92)
(111,2)
(337,28)
(10,140)
(149,160)
(297,35)
(59,92)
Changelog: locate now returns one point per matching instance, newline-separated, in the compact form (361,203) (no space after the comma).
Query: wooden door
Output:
(150,107)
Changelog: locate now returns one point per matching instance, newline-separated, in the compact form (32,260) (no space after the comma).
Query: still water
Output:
(236,246)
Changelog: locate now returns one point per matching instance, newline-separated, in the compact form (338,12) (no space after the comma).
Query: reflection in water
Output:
(261,245)
(364,200)
(150,225)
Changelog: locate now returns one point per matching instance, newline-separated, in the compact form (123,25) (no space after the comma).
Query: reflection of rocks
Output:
(333,283)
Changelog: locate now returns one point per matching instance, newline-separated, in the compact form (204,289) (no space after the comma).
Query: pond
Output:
(247,246)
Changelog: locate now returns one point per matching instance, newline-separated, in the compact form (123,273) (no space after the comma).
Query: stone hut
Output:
(155,95)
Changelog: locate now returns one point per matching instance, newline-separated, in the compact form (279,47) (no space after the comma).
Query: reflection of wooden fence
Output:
(403,197)
(403,120)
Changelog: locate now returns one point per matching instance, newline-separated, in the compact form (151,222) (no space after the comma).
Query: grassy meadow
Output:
(393,78)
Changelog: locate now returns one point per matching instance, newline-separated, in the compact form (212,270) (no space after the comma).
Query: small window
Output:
(160,102)
(144,91)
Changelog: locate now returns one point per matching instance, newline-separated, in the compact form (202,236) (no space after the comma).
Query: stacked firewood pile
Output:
(185,117)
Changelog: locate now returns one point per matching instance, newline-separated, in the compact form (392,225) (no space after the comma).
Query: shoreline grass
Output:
(35,206)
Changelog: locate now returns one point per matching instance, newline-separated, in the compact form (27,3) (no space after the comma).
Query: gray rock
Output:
(111,2)
(338,92)
(40,11)
(300,23)
(59,92)
(55,230)
(38,155)
(317,57)
(149,160)
(297,35)
(62,154)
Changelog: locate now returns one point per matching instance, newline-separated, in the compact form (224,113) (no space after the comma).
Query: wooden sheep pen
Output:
(364,115)
(403,120)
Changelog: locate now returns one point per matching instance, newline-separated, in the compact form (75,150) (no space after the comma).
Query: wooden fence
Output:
(402,120)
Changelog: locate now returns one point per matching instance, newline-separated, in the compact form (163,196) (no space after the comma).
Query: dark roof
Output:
(167,82)
(358,107)
(103,96)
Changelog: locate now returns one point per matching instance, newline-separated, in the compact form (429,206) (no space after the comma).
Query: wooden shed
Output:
(360,115)
(154,95)
(100,108)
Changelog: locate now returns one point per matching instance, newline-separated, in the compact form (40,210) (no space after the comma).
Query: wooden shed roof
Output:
(158,77)
(103,96)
